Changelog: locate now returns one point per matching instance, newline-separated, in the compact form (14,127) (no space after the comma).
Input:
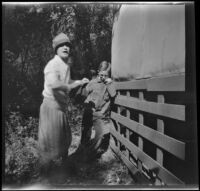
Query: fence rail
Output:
(165,142)
(166,110)
(169,83)
(132,137)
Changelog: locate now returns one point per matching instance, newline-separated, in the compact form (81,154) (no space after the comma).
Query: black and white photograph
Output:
(99,95)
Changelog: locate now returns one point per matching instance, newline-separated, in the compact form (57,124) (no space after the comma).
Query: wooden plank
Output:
(140,139)
(152,165)
(130,165)
(165,142)
(138,176)
(159,152)
(128,111)
(159,156)
(118,125)
(167,110)
(131,85)
(127,130)
(160,128)
(169,83)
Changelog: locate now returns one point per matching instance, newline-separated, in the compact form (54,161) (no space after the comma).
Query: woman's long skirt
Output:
(54,135)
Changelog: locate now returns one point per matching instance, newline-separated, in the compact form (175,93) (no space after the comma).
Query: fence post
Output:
(160,128)
(140,140)
(127,130)
(118,125)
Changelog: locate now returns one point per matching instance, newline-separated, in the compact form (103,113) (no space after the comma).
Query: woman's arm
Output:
(75,83)
(56,84)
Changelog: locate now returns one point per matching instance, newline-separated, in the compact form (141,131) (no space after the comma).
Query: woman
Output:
(54,134)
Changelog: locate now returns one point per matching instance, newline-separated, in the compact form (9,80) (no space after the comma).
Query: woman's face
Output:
(63,51)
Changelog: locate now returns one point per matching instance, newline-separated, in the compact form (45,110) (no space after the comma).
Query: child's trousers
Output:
(102,135)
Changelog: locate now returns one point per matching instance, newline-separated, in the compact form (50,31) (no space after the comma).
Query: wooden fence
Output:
(155,122)
(150,129)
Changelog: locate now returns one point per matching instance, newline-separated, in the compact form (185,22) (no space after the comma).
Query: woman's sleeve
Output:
(52,78)
(89,87)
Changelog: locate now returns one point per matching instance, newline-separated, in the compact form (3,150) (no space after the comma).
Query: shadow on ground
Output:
(78,171)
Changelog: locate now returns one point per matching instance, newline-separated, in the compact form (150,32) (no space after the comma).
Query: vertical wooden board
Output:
(127,130)
(140,139)
(141,121)
(160,128)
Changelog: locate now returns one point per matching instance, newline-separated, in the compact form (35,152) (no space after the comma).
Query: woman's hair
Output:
(104,66)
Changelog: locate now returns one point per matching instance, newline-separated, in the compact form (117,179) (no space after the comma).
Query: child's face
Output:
(103,75)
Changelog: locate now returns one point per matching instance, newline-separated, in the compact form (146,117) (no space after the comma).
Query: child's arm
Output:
(111,89)
(112,92)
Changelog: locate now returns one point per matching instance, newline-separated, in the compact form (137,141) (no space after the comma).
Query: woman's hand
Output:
(84,81)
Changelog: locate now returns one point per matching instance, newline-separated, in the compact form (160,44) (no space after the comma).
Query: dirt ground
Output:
(78,173)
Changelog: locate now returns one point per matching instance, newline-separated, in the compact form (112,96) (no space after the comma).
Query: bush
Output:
(75,113)
(21,156)
(21,149)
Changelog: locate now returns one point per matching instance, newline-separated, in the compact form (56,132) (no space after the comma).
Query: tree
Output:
(26,37)
(28,33)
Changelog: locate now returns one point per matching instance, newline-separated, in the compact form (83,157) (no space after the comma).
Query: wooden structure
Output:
(154,119)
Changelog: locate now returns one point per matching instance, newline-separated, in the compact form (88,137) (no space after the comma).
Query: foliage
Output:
(26,37)
(21,156)
(27,46)
(21,149)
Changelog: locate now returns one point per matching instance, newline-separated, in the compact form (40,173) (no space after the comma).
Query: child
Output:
(101,92)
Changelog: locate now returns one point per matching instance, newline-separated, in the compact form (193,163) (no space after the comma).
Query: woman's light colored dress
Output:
(54,135)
